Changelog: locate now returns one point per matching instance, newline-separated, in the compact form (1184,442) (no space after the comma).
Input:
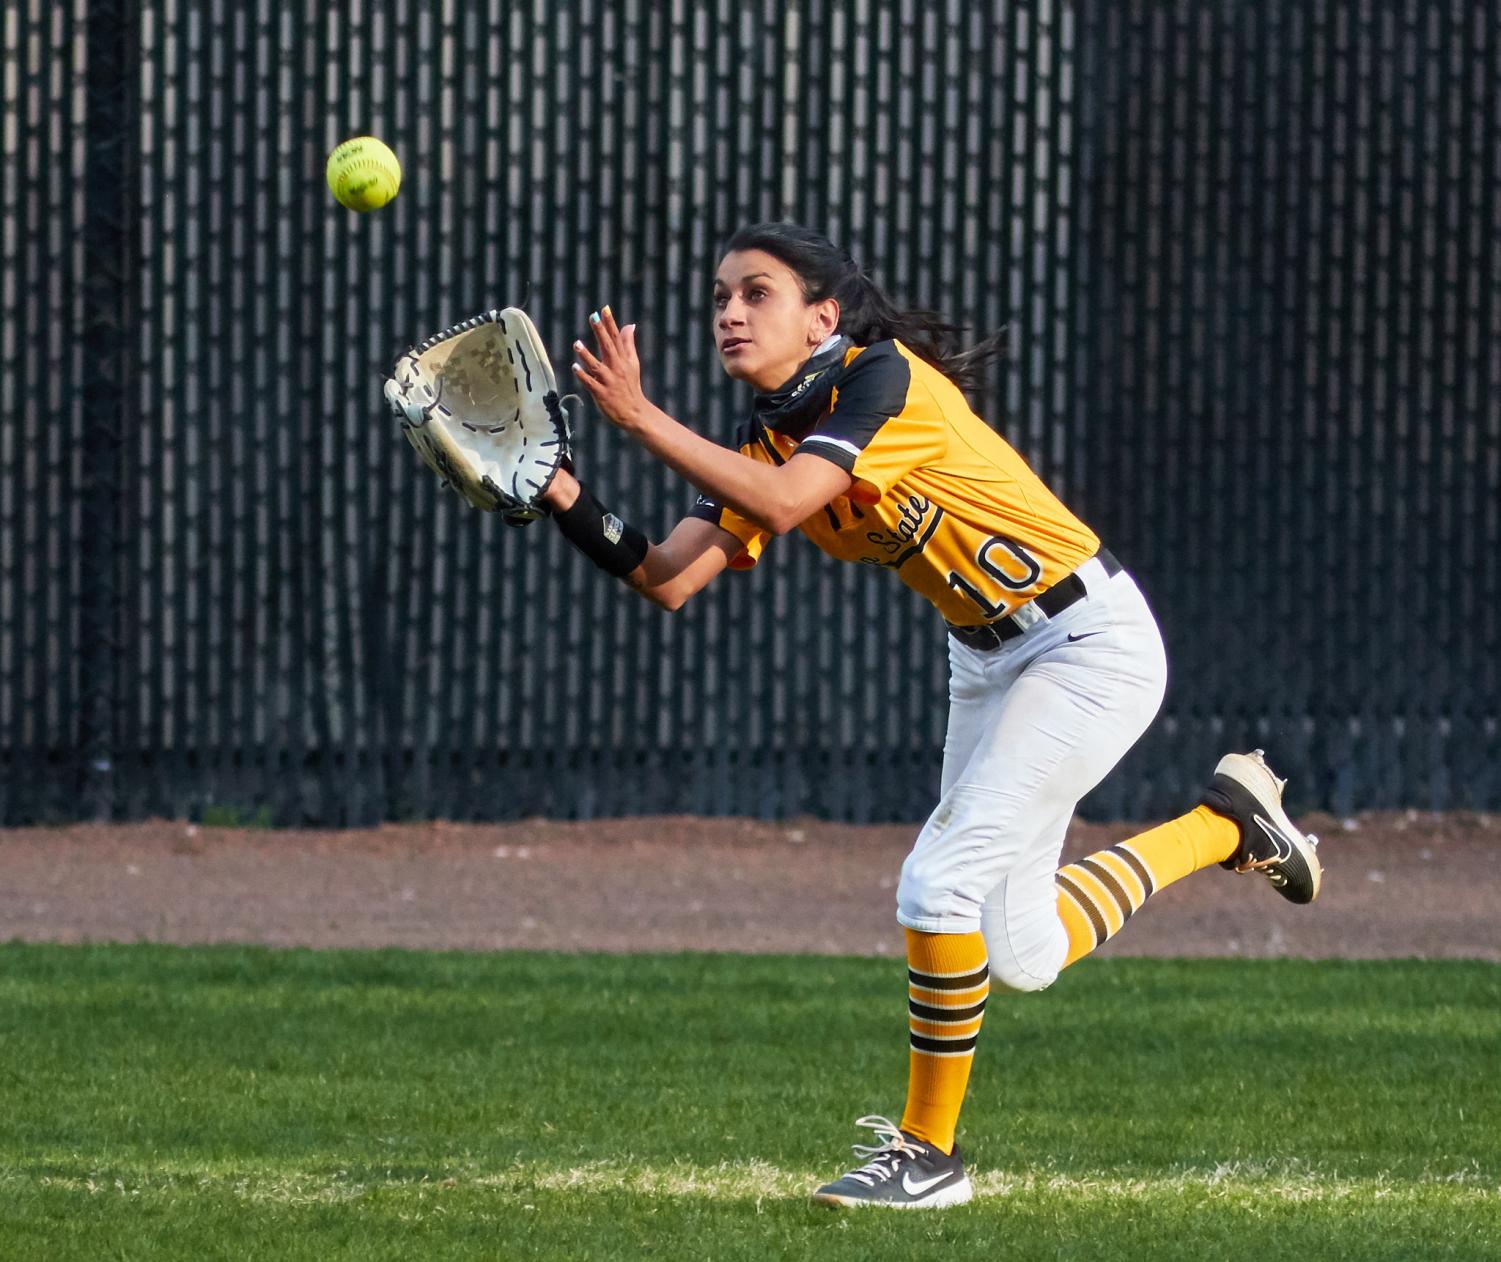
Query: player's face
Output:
(763,327)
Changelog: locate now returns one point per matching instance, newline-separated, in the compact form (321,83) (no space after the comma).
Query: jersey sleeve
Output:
(871,432)
(752,537)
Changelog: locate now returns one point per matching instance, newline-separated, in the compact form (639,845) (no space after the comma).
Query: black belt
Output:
(1065,592)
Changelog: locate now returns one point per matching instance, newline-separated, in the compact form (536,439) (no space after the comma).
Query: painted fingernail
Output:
(594,317)
(607,308)
(576,368)
(578,346)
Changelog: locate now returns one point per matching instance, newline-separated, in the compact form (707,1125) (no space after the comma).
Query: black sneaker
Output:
(901,1173)
(1245,790)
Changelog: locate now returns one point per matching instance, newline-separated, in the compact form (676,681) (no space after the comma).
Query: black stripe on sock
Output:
(968,982)
(1086,905)
(1137,866)
(921,1044)
(924,1012)
(1108,879)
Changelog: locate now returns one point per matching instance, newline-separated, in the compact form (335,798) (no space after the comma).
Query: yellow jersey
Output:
(938,496)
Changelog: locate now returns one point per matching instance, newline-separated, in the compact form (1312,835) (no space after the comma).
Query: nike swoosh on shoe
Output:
(917,1187)
(1280,843)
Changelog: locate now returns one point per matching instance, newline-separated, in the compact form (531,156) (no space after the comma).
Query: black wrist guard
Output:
(600,535)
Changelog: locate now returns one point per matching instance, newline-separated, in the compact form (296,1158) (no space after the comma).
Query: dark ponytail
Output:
(867,315)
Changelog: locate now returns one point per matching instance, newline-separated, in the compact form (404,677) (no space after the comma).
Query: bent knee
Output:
(964,849)
(1011,976)
(1026,952)
(934,897)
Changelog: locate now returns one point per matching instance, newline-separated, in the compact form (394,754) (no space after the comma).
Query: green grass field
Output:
(233,1103)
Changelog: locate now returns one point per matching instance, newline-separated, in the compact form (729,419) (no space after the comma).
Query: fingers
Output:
(585,358)
(592,384)
(601,330)
(606,332)
(586,368)
(614,363)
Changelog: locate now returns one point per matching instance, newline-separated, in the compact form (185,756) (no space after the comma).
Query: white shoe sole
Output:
(1252,774)
(953,1194)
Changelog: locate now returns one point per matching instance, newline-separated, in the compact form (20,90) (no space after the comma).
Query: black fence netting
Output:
(1246,254)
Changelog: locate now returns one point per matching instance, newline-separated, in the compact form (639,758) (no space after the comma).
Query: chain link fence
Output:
(1247,255)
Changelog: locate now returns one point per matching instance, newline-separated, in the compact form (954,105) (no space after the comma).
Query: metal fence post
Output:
(110,107)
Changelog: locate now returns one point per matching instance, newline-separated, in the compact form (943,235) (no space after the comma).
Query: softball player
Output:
(860,437)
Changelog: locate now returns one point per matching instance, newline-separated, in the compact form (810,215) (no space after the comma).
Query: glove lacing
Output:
(887,1156)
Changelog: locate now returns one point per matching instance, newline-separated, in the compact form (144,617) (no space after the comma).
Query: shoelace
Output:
(886,1157)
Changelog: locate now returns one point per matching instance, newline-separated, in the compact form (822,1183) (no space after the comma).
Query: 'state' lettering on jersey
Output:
(938,496)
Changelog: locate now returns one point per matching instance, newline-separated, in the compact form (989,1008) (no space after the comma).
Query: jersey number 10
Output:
(1010,581)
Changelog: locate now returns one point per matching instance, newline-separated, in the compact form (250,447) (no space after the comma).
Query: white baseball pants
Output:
(1033,726)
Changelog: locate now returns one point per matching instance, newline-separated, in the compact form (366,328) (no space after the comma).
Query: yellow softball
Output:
(363,173)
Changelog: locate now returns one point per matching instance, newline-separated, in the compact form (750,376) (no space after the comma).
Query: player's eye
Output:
(720,300)
(756,294)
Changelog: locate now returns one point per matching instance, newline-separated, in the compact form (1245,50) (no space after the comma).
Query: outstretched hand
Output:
(612,375)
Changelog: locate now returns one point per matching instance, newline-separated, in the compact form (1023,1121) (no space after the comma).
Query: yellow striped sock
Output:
(1098,894)
(948,979)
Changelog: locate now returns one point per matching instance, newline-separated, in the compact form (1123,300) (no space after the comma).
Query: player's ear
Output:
(825,320)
